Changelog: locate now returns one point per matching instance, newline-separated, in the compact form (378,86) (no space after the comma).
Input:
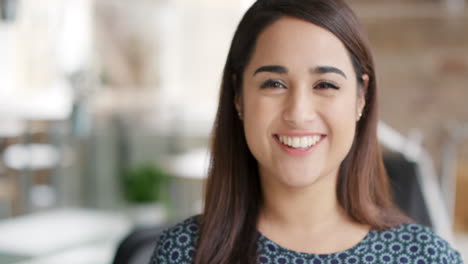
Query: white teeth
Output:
(304,142)
(296,142)
(300,142)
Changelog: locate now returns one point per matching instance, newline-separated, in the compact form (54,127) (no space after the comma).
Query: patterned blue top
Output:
(407,243)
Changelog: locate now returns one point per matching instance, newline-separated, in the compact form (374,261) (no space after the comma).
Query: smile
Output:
(299,142)
(298,145)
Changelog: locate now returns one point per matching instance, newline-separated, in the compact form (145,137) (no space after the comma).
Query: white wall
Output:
(193,52)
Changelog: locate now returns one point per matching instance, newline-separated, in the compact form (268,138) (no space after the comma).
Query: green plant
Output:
(145,183)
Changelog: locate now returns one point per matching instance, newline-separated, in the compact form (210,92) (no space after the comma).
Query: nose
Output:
(299,108)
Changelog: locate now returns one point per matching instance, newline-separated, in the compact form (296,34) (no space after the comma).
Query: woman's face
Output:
(299,103)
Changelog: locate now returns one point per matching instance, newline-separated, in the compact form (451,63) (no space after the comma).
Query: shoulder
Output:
(415,243)
(177,244)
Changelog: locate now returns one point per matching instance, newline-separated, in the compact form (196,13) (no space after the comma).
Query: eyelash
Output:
(327,85)
(272,84)
(277,84)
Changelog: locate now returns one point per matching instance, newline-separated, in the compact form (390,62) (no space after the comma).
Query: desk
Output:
(58,236)
(8,258)
(95,253)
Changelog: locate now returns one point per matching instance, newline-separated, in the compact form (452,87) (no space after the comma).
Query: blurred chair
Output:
(11,130)
(8,195)
(411,149)
(138,246)
(406,189)
(31,160)
(28,158)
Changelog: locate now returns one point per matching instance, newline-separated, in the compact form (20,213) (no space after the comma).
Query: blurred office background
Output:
(106,109)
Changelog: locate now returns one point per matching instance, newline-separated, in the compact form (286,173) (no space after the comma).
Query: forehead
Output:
(297,43)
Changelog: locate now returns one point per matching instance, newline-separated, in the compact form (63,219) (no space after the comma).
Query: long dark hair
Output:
(233,193)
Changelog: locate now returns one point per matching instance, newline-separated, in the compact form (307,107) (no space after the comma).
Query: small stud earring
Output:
(360,115)
(240,115)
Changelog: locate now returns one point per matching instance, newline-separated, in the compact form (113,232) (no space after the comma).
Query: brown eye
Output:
(272,84)
(326,85)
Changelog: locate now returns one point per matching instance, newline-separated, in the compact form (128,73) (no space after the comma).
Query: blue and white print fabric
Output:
(405,244)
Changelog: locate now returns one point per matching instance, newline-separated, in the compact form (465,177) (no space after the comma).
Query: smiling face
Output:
(299,103)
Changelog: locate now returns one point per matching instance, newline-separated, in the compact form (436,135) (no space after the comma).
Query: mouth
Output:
(299,145)
(303,142)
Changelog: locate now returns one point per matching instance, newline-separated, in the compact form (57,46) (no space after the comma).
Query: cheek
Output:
(259,115)
(345,115)
(342,122)
(259,111)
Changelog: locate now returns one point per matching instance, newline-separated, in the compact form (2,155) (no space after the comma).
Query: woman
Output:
(296,174)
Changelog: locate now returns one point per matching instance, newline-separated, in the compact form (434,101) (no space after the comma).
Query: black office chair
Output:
(138,246)
(407,192)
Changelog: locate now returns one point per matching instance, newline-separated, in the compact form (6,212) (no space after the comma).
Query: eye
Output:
(272,84)
(326,85)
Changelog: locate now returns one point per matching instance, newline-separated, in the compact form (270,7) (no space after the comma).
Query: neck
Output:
(307,219)
(312,208)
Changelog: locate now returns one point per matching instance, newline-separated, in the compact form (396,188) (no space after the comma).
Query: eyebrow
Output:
(272,68)
(318,70)
(328,69)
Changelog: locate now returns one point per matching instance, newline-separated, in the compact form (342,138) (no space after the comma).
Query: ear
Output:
(238,103)
(361,100)
(237,98)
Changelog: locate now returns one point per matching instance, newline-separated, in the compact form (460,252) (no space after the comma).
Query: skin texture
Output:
(300,204)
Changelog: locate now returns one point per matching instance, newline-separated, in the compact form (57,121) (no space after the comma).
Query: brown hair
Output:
(233,193)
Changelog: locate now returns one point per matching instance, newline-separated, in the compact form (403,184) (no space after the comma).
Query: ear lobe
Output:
(238,106)
(237,96)
(237,103)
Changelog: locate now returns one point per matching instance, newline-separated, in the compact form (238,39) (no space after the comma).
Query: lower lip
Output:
(295,151)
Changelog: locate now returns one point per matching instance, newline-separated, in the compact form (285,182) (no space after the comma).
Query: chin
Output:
(299,181)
